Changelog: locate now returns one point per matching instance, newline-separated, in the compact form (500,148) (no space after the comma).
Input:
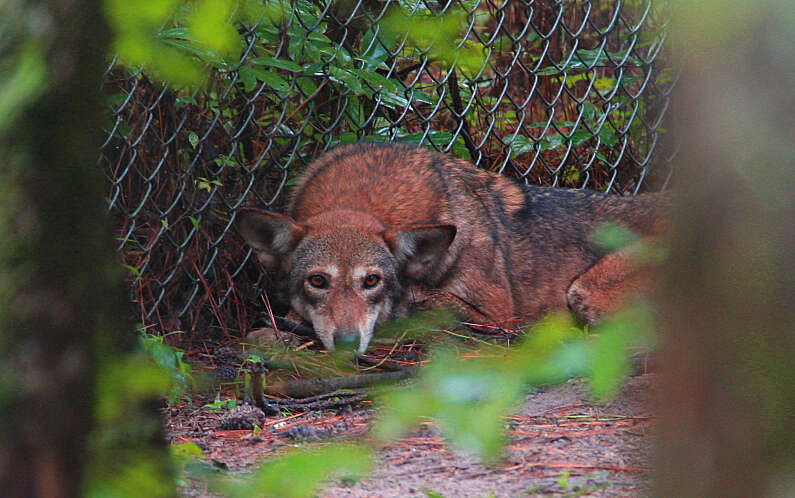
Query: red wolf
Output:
(373,231)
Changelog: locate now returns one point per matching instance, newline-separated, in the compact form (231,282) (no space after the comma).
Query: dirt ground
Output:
(561,444)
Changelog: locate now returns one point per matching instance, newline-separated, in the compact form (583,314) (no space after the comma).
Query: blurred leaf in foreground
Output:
(610,351)
(470,397)
(438,36)
(299,473)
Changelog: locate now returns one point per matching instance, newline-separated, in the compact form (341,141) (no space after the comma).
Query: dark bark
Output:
(59,278)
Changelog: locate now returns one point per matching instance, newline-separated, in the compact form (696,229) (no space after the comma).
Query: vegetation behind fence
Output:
(569,94)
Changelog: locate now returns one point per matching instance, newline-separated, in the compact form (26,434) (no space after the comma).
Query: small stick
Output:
(310,387)
(268,308)
(256,370)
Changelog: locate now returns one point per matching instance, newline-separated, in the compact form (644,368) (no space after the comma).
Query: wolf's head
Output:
(345,272)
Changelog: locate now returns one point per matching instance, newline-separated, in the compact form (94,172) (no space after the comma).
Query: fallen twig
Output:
(327,401)
(310,387)
(567,465)
(385,363)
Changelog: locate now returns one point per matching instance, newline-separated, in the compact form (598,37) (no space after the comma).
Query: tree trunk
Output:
(60,299)
(728,402)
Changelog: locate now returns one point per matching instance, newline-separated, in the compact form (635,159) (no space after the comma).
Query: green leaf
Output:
(307,85)
(192,48)
(431,494)
(248,78)
(552,141)
(580,136)
(130,379)
(590,112)
(279,63)
(348,138)
(211,27)
(468,399)
(611,237)
(391,91)
(543,339)
(419,96)
(169,360)
(318,37)
(354,112)
(178,32)
(343,76)
(521,145)
(279,476)
(438,36)
(608,135)
(610,365)
(376,80)
(605,85)
(22,83)
(193,138)
(570,175)
(134,270)
(587,59)
(128,14)
(563,480)
(271,79)
(187,449)
(268,33)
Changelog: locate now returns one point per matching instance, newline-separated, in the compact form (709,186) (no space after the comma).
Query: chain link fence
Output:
(570,94)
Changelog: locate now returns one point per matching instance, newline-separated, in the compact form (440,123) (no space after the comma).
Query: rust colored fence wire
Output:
(569,94)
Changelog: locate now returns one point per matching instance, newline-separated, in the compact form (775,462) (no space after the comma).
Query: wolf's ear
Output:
(271,235)
(419,247)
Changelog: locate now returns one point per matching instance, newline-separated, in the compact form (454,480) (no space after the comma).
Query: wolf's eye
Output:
(317,281)
(371,281)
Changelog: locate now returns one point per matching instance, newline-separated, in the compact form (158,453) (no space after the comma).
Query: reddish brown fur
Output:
(517,251)
(608,284)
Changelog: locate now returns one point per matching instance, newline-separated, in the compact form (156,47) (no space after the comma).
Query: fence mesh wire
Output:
(567,94)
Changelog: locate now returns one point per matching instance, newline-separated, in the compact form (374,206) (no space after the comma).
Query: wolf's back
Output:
(399,184)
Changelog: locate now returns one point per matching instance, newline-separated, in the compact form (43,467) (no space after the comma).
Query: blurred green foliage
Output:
(169,360)
(140,43)
(470,397)
(300,473)
(612,237)
(629,330)
(438,37)
(23,66)
(177,41)
(418,325)
(123,461)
